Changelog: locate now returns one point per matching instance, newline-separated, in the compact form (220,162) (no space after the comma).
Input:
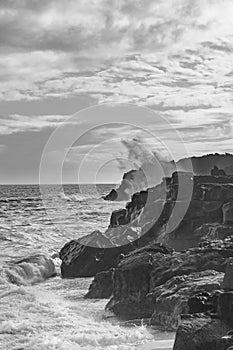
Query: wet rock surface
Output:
(149,283)
(212,330)
(149,217)
(182,295)
(201,332)
(101,286)
(175,278)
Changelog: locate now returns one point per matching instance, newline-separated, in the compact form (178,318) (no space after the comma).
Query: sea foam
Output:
(29,270)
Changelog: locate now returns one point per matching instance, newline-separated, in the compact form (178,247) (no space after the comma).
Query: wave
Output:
(29,270)
(75,197)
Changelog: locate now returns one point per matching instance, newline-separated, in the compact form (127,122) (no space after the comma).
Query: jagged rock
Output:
(102,285)
(145,220)
(182,295)
(141,277)
(81,260)
(112,196)
(228,277)
(201,166)
(201,332)
(228,213)
(131,283)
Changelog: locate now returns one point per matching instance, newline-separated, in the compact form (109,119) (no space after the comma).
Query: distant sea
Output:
(51,314)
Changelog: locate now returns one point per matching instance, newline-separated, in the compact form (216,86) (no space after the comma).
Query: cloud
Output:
(123,25)
(173,54)
(20,123)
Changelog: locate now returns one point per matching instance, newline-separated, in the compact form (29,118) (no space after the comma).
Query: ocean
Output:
(41,313)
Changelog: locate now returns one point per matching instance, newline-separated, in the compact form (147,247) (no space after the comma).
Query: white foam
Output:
(54,315)
(30,270)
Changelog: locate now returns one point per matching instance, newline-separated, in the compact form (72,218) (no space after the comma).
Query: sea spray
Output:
(29,270)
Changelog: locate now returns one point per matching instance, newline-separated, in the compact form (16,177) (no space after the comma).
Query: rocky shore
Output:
(148,218)
(173,278)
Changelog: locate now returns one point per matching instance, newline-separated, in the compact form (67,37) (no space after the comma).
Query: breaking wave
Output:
(29,270)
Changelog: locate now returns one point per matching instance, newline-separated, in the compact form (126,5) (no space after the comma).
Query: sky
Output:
(57,58)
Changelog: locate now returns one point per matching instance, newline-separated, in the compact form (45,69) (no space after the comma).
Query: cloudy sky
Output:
(59,57)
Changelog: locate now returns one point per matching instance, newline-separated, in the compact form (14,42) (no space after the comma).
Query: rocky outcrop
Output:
(149,217)
(212,330)
(83,260)
(182,293)
(201,332)
(102,286)
(161,202)
(130,288)
(148,283)
(135,180)
(112,196)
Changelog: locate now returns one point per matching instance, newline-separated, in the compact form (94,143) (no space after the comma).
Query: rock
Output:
(199,303)
(217,172)
(228,277)
(102,286)
(145,219)
(112,196)
(201,332)
(225,306)
(131,283)
(228,213)
(213,231)
(81,260)
(182,295)
(150,283)
(119,217)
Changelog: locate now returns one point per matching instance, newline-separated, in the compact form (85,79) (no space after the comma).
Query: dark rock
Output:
(81,260)
(102,286)
(201,332)
(119,217)
(199,303)
(140,280)
(228,213)
(145,220)
(225,306)
(217,172)
(112,196)
(228,277)
(182,295)
(131,283)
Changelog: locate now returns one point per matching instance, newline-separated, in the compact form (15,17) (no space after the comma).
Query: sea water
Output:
(44,313)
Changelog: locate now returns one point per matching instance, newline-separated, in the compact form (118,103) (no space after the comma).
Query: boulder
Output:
(81,260)
(102,286)
(201,332)
(182,295)
(131,283)
(150,282)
